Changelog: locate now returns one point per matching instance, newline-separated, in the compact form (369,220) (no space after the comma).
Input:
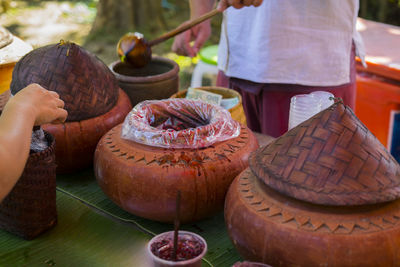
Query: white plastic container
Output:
(304,106)
(325,98)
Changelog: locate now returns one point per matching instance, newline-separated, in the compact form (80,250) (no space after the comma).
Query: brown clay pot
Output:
(76,141)
(267,226)
(157,80)
(326,193)
(144,180)
(30,208)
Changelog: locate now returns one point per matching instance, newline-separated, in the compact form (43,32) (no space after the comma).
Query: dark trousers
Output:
(267,105)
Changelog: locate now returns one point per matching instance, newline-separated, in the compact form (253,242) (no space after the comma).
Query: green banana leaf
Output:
(82,237)
(83,186)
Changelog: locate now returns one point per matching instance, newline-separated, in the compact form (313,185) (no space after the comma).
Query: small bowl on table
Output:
(191,249)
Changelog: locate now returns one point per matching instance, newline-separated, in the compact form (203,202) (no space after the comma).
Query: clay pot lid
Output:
(83,81)
(330,159)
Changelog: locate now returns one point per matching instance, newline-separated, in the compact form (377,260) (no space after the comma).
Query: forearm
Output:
(189,42)
(15,136)
(199,7)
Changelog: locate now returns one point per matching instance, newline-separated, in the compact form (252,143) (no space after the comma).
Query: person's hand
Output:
(199,34)
(46,106)
(224,4)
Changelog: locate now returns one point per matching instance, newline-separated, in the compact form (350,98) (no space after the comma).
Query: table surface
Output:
(93,231)
(381,42)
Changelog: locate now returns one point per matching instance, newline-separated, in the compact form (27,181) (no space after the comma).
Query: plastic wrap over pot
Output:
(179,123)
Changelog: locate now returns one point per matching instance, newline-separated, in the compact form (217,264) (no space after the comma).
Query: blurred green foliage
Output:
(386,11)
(170,14)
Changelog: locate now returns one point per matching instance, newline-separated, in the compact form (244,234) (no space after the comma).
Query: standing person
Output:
(280,49)
(31,106)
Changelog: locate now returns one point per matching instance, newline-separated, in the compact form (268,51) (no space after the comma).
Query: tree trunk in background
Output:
(363,9)
(382,10)
(113,15)
(128,15)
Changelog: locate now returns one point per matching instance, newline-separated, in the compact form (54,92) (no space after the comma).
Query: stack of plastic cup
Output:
(302,107)
(325,98)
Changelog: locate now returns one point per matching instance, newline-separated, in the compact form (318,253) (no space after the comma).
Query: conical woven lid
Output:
(83,81)
(330,159)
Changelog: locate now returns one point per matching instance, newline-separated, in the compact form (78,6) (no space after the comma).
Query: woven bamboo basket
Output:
(330,159)
(84,82)
(237,111)
(30,208)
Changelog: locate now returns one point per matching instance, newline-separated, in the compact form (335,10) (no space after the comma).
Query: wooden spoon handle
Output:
(183,27)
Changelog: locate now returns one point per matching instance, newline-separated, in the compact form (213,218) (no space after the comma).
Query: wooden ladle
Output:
(136,50)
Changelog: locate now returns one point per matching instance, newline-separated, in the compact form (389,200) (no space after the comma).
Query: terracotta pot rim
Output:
(148,79)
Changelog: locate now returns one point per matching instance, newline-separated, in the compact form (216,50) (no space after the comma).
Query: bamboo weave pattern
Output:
(84,82)
(30,208)
(330,159)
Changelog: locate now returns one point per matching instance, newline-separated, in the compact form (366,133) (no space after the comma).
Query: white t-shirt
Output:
(305,42)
